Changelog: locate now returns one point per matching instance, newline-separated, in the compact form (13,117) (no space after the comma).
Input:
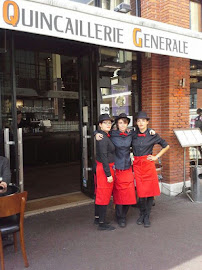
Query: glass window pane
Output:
(119,89)
(195,16)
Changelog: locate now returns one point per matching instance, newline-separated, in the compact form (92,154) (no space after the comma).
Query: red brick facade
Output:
(162,98)
(199,98)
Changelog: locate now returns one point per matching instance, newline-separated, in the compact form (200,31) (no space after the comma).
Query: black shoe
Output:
(147,222)
(140,220)
(105,227)
(122,223)
(96,221)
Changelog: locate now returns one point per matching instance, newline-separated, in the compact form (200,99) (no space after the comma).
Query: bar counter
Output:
(51,147)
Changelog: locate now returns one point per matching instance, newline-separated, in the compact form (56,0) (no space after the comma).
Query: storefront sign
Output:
(81,25)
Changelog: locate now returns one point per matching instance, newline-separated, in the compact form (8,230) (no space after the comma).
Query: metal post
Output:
(186,191)
(14,109)
(136,8)
(197,156)
(6,144)
(20,160)
(1,124)
(184,169)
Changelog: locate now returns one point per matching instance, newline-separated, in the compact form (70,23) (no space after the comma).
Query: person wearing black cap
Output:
(104,175)
(144,167)
(124,189)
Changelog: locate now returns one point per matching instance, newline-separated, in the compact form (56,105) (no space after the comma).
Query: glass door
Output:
(8,124)
(88,112)
(51,96)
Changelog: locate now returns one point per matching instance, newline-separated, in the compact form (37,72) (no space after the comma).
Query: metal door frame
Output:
(6,141)
(84,137)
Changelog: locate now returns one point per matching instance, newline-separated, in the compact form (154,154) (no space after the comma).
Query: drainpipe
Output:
(137,8)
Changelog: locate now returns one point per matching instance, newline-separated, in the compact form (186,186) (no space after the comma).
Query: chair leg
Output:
(22,243)
(15,241)
(1,253)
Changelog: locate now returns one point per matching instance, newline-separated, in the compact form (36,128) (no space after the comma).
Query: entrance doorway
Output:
(49,117)
(51,101)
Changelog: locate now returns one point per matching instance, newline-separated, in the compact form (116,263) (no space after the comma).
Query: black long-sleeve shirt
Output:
(5,170)
(105,152)
(122,146)
(122,142)
(143,145)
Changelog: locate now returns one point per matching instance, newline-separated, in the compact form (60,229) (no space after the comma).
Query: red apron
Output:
(147,183)
(124,188)
(103,189)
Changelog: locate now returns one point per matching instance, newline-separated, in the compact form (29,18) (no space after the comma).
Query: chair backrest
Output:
(12,204)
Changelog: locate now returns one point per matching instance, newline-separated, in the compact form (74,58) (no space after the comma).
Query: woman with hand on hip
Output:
(104,176)
(147,184)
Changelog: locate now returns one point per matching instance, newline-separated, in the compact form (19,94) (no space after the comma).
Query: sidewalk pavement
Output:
(68,240)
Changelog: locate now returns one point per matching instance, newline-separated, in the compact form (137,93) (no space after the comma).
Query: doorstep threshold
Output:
(58,202)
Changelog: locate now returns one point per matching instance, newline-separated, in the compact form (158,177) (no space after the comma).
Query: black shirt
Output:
(143,146)
(198,123)
(105,152)
(122,142)
(5,170)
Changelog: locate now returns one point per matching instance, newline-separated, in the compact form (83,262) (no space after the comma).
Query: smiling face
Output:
(106,125)
(122,124)
(142,124)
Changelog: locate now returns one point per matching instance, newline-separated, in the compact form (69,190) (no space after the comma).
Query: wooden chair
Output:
(12,209)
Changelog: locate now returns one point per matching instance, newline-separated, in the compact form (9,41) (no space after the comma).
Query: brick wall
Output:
(199,98)
(167,11)
(162,98)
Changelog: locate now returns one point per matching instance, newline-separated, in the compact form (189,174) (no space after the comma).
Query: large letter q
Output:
(13,20)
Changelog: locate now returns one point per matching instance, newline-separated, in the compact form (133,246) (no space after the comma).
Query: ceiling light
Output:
(123,8)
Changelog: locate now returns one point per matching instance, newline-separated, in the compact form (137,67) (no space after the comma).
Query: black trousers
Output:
(100,212)
(145,205)
(121,211)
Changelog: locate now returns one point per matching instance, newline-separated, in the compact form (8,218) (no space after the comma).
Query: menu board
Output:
(189,137)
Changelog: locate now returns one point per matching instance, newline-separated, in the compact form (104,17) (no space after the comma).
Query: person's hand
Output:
(152,158)
(109,179)
(152,132)
(3,185)
(99,136)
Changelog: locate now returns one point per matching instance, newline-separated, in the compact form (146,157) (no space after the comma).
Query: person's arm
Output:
(98,136)
(6,174)
(103,145)
(164,149)
(162,152)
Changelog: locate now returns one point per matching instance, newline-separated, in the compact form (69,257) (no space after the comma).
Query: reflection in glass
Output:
(118,81)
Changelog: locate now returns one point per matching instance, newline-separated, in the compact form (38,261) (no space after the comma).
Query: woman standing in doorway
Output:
(104,175)
(144,167)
